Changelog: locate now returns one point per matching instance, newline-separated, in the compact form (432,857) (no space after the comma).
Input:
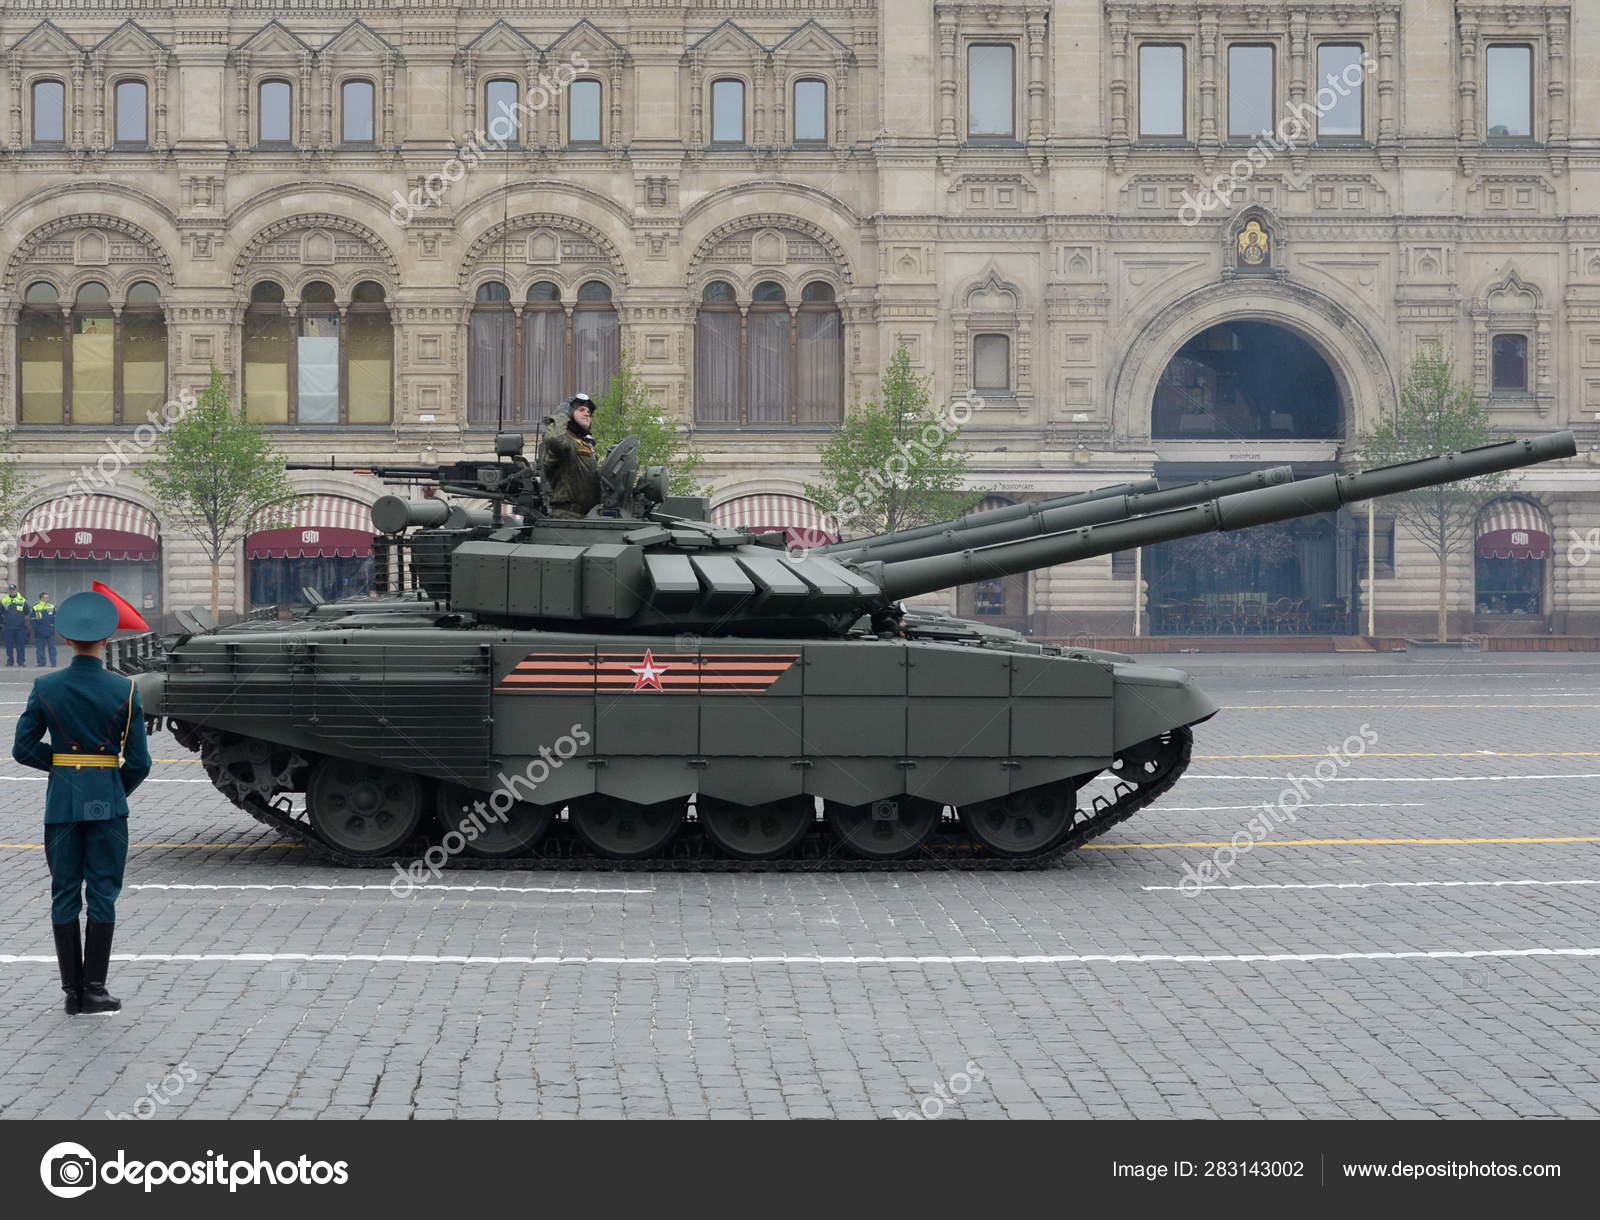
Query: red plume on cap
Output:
(128,619)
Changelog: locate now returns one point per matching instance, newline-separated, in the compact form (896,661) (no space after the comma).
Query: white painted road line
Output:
(1363,885)
(1298,808)
(987,959)
(473,889)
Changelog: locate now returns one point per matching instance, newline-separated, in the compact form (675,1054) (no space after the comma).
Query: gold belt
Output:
(85,760)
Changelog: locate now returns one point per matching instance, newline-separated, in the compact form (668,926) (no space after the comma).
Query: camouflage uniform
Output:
(574,474)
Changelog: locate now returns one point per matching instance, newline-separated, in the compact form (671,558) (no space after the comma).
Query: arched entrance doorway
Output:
(1250,381)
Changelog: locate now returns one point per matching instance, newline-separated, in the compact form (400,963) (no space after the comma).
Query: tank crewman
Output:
(14,626)
(43,617)
(97,755)
(569,460)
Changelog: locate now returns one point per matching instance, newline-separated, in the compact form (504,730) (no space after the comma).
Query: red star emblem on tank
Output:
(648,672)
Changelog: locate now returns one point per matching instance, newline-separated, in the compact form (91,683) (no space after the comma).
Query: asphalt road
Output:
(1419,935)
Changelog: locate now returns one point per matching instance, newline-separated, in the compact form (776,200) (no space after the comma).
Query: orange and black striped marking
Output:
(667,673)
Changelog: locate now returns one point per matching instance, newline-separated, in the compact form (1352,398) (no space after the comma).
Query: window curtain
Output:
(716,366)
(544,378)
(493,353)
(144,366)
(595,336)
(821,356)
(317,369)
(370,363)
(266,367)
(769,366)
(93,363)
(39,350)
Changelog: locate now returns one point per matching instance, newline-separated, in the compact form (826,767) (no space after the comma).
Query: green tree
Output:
(895,463)
(631,408)
(15,488)
(1437,414)
(218,476)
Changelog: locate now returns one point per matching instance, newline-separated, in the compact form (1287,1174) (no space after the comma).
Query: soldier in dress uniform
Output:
(569,460)
(97,755)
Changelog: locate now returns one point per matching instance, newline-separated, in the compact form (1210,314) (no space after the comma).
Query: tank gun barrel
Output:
(856,547)
(1240,510)
(1050,517)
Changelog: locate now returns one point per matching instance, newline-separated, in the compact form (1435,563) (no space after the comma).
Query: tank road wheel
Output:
(625,830)
(498,836)
(887,829)
(363,809)
(757,832)
(1027,823)
(1151,761)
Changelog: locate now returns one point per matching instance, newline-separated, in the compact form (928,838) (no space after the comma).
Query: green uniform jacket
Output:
(85,708)
(574,475)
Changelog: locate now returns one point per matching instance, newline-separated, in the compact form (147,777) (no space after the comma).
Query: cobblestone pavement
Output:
(1331,974)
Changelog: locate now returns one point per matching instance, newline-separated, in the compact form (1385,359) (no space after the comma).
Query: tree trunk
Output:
(1444,608)
(216,584)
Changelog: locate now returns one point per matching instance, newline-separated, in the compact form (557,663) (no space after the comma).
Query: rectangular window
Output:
(1341,73)
(991,364)
(583,112)
(93,369)
(1161,91)
(810,112)
(369,361)
(1250,91)
(500,111)
(727,112)
(130,104)
(318,369)
(272,121)
(40,340)
(991,92)
(1510,362)
(357,112)
(144,364)
(49,112)
(266,367)
(1510,90)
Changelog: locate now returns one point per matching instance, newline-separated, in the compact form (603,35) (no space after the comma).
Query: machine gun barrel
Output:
(1050,517)
(1241,510)
(856,548)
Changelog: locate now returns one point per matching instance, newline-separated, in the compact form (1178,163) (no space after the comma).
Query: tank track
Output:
(691,852)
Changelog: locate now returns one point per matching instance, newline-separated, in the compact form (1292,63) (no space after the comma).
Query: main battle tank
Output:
(644,688)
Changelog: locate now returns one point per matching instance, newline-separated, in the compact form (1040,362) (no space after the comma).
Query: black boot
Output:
(69,957)
(96,960)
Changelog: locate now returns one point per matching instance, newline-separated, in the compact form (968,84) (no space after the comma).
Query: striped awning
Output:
(1513,529)
(90,527)
(320,527)
(800,521)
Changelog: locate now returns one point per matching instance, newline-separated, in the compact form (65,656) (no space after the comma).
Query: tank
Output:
(642,688)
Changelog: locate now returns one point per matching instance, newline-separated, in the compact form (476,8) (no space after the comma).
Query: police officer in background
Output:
(43,618)
(569,460)
(97,755)
(14,626)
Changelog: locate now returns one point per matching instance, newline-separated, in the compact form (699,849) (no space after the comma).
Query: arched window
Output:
(356,117)
(311,362)
(49,112)
(776,364)
(557,350)
(583,112)
(718,356)
(89,365)
(727,111)
(810,112)
(274,112)
(132,113)
(504,123)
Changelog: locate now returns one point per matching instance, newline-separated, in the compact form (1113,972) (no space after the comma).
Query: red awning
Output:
(322,527)
(800,521)
(1513,529)
(93,527)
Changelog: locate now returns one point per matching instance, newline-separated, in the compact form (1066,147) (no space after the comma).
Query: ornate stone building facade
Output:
(392,228)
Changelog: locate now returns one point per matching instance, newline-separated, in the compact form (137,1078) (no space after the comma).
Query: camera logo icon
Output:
(68,1170)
